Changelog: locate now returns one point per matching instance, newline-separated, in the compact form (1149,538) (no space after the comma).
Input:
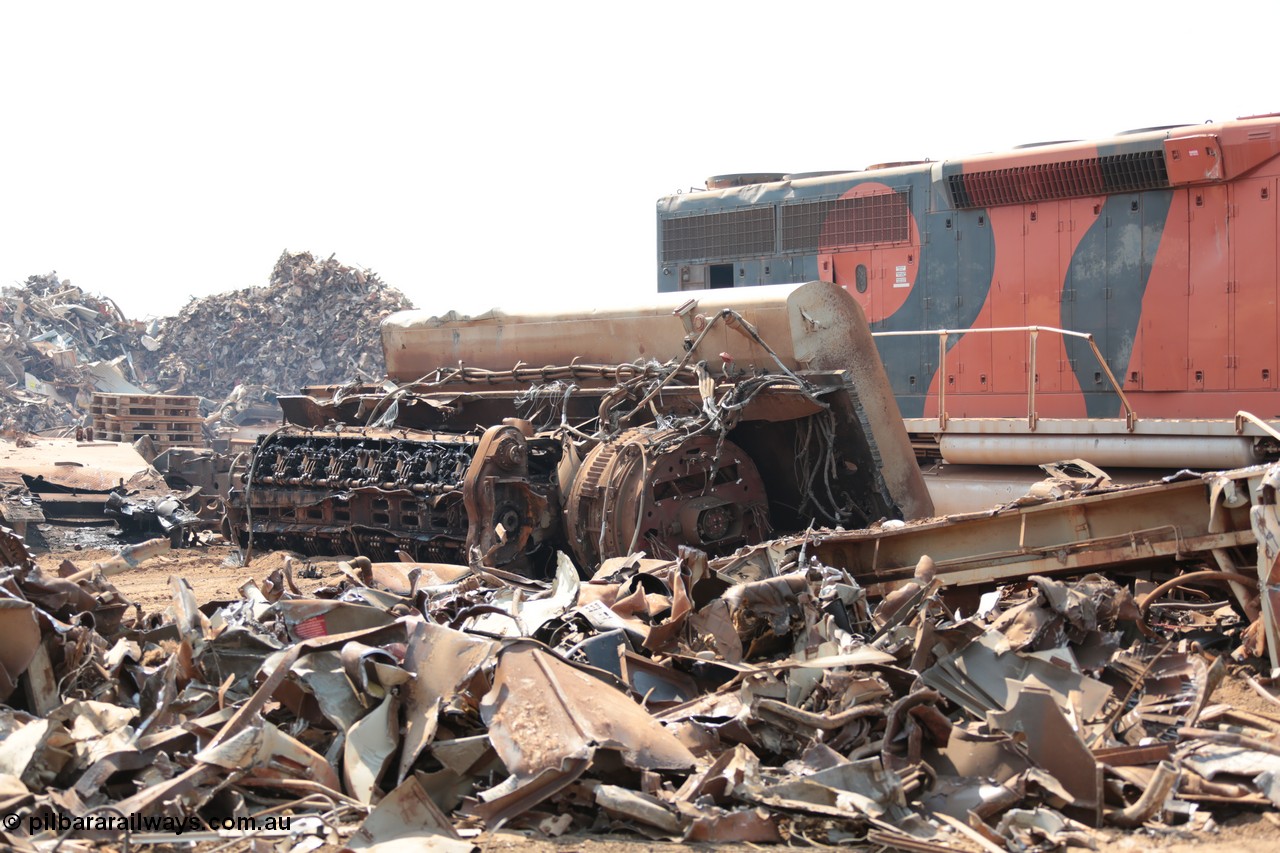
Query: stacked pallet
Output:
(170,421)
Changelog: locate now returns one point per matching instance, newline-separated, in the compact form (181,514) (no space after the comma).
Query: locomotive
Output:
(1112,300)
(1036,301)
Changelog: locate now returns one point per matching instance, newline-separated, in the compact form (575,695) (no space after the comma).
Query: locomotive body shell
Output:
(1162,245)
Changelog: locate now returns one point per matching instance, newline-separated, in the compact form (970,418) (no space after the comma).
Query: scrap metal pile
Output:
(315,322)
(760,697)
(57,343)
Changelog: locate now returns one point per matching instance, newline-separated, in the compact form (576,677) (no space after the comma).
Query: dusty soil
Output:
(215,574)
(1237,693)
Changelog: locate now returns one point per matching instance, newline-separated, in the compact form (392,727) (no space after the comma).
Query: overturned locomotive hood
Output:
(812,327)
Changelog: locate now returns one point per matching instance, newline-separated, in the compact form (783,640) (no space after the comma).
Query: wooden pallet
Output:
(178,422)
(159,441)
(144,406)
(191,401)
(150,429)
(170,421)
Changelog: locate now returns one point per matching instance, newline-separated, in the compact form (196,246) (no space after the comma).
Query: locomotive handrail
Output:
(1130,416)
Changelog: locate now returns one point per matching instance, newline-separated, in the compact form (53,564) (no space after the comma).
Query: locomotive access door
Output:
(1008,302)
(1207,294)
(1106,284)
(1082,248)
(1137,224)
(1253,277)
(1043,276)
(970,368)
(1164,307)
(959,280)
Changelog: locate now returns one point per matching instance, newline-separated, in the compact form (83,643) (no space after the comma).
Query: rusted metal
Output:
(1111,528)
(417,343)
(1126,756)
(600,460)
(547,737)
(508,506)
(1264,517)
(756,696)
(658,489)
(1211,575)
(13,551)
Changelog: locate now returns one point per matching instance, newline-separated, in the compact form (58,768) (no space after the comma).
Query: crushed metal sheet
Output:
(442,661)
(407,819)
(1055,745)
(19,640)
(543,712)
(762,697)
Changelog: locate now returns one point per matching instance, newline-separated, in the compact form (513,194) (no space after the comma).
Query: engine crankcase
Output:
(437,497)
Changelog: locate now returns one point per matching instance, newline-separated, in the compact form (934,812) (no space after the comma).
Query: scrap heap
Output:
(758,697)
(56,343)
(316,322)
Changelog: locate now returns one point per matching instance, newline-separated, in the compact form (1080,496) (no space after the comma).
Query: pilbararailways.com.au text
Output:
(36,824)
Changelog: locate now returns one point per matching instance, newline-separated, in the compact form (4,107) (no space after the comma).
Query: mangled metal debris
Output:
(167,515)
(764,696)
(315,322)
(57,344)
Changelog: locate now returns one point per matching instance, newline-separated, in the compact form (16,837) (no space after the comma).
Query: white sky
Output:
(468,151)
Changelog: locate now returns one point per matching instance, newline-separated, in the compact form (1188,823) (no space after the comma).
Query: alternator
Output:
(654,490)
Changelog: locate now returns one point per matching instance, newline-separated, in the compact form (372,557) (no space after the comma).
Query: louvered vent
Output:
(732,234)
(870,219)
(1115,173)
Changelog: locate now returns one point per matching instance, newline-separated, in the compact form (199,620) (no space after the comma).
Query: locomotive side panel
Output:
(1163,330)
(1207,343)
(1007,304)
(1163,245)
(1253,284)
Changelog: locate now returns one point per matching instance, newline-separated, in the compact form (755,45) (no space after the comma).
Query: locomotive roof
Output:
(1147,158)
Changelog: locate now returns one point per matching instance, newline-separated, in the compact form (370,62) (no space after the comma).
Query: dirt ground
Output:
(215,574)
